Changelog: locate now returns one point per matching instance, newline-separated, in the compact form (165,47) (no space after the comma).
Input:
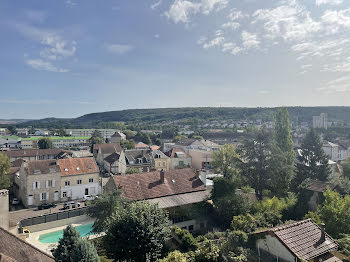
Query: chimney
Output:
(162,173)
(323,233)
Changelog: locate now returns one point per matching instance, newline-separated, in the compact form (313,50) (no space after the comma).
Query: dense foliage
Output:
(5,182)
(45,143)
(140,228)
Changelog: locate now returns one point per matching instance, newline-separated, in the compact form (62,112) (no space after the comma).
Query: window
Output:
(49,183)
(163,163)
(159,164)
(52,170)
(43,196)
(36,171)
(91,180)
(36,185)
(79,182)
(67,183)
(181,163)
(64,194)
(190,228)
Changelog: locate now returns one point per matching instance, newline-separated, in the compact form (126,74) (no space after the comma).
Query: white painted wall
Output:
(273,246)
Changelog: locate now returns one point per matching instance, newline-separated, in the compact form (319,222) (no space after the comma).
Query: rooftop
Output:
(32,152)
(77,166)
(13,248)
(303,239)
(149,186)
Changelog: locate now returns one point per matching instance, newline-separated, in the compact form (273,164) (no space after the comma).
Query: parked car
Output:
(15,201)
(72,204)
(47,206)
(89,197)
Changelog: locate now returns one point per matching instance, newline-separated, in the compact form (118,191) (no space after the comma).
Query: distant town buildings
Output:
(105,133)
(320,121)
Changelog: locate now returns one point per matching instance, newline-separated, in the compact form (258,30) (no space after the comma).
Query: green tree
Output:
(103,209)
(256,157)
(226,202)
(96,138)
(346,167)
(283,137)
(226,161)
(12,130)
(66,244)
(175,256)
(128,144)
(207,252)
(137,233)
(132,170)
(344,242)
(45,143)
(5,182)
(188,242)
(312,161)
(61,132)
(84,251)
(335,213)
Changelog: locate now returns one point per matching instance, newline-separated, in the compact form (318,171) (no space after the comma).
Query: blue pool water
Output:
(54,237)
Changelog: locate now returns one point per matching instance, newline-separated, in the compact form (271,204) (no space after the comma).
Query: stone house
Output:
(141,159)
(79,177)
(38,182)
(115,163)
(101,151)
(161,161)
(300,241)
(117,137)
(178,158)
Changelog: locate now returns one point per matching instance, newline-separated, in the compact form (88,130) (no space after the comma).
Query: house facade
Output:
(115,163)
(141,159)
(101,151)
(79,177)
(300,241)
(38,182)
(334,151)
(161,161)
(117,137)
(178,158)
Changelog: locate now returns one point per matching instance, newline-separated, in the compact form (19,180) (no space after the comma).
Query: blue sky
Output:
(65,58)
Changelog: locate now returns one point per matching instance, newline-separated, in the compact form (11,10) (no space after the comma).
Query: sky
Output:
(66,58)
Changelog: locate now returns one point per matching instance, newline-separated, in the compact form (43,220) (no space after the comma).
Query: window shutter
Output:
(47,183)
(39,185)
(53,183)
(41,196)
(47,196)
(33,185)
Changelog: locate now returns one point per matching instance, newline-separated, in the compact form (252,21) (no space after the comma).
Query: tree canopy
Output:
(45,143)
(5,164)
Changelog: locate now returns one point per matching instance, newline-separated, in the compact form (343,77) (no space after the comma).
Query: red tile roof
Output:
(303,239)
(148,185)
(19,250)
(77,166)
(171,152)
(32,152)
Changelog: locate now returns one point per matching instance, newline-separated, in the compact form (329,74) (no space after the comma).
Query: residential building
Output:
(42,132)
(141,159)
(117,137)
(169,189)
(15,249)
(36,154)
(161,161)
(334,151)
(101,151)
(38,182)
(191,143)
(10,142)
(4,132)
(79,177)
(115,163)
(22,131)
(318,188)
(105,133)
(320,121)
(58,142)
(201,159)
(178,158)
(300,241)
(141,145)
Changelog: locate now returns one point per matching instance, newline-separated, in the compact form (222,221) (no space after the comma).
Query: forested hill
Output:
(197,114)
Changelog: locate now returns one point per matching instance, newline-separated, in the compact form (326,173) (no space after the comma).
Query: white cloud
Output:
(231,25)
(118,49)
(329,2)
(250,40)
(156,35)
(182,10)
(214,42)
(156,4)
(306,66)
(70,3)
(264,92)
(334,20)
(236,15)
(42,65)
(231,48)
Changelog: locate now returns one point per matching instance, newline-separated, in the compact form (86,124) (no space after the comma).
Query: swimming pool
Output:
(54,237)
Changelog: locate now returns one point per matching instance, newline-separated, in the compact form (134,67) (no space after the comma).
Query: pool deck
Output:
(34,237)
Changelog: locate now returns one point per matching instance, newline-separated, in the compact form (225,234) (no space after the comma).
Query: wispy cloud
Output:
(118,49)
(35,15)
(181,11)
(70,3)
(329,2)
(156,4)
(42,65)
